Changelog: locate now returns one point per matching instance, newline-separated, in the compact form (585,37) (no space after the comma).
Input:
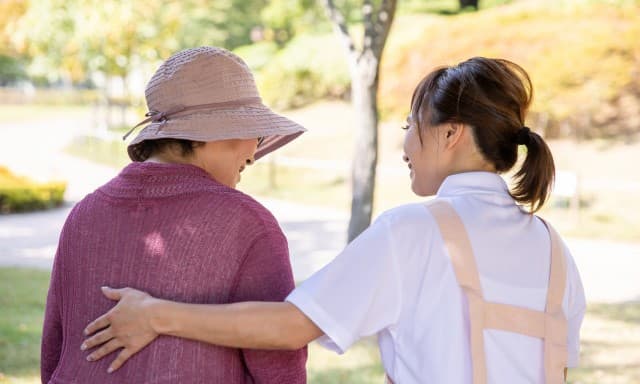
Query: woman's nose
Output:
(405,158)
(250,161)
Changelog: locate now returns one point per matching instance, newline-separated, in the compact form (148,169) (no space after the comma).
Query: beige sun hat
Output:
(209,94)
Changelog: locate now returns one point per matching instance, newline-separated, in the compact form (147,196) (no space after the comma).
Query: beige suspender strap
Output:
(464,265)
(550,325)
(458,245)
(555,341)
(514,319)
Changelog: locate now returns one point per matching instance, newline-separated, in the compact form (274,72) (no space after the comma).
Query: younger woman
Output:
(468,287)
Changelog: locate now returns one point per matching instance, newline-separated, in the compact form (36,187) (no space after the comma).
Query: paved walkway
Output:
(610,271)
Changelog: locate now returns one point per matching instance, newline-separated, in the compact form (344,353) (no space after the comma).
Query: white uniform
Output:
(396,280)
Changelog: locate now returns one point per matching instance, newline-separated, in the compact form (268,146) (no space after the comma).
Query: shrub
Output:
(257,55)
(307,69)
(19,194)
(11,70)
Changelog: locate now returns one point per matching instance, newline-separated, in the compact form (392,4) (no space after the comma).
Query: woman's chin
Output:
(421,193)
(415,188)
(421,190)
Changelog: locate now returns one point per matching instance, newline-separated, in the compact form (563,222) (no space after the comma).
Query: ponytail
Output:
(492,96)
(534,180)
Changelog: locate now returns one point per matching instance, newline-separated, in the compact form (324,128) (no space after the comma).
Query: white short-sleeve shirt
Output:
(396,281)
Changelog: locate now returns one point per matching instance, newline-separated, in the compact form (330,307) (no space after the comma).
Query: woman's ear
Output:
(453,132)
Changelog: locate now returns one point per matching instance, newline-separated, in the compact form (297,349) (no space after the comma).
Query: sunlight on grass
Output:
(22,298)
(35,379)
(610,345)
(360,364)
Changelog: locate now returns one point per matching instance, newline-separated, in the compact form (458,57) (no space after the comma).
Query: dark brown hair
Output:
(145,149)
(492,97)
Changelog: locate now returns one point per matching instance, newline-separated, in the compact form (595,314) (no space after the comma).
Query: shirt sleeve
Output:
(577,309)
(52,329)
(266,275)
(358,293)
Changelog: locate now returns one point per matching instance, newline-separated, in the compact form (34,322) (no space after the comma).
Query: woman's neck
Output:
(169,158)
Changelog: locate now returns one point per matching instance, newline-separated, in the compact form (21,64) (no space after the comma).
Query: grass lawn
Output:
(610,334)
(22,297)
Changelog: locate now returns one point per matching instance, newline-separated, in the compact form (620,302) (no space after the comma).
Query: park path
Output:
(610,270)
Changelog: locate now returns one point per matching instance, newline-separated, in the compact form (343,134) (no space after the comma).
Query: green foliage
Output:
(11,70)
(18,194)
(312,64)
(257,55)
(309,68)
(225,23)
(285,19)
(73,38)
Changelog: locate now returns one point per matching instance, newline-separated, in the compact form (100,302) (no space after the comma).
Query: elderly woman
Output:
(172,223)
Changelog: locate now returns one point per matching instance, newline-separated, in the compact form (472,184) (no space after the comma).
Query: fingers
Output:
(123,356)
(97,324)
(104,350)
(102,321)
(97,339)
(112,294)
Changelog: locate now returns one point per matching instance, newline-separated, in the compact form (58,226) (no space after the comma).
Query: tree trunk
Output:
(363,174)
(364,65)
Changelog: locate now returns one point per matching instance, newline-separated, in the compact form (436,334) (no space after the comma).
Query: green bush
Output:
(307,69)
(19,194)
(257,55)
(11,70)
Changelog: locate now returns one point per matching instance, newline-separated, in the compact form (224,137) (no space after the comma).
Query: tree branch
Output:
(340,26)
(382,26)
(369,25)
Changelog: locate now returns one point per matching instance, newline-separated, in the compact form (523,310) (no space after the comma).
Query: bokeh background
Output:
(72,78)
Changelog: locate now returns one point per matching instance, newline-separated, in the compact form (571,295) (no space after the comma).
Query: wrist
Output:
(156,311)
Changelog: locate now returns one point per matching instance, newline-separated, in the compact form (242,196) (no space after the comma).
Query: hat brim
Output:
(247,122)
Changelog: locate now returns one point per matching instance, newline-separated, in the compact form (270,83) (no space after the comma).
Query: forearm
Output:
(259,325)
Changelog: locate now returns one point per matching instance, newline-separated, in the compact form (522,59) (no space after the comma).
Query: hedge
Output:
(19,194)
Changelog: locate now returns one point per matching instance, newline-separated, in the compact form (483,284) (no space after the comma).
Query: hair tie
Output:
(523,137)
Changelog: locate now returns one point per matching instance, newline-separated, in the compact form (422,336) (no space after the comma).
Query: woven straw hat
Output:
(209,94)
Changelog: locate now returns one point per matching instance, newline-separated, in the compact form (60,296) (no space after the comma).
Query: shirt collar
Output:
(474,183)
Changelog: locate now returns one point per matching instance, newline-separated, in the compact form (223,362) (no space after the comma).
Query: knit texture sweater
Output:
(174,232)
